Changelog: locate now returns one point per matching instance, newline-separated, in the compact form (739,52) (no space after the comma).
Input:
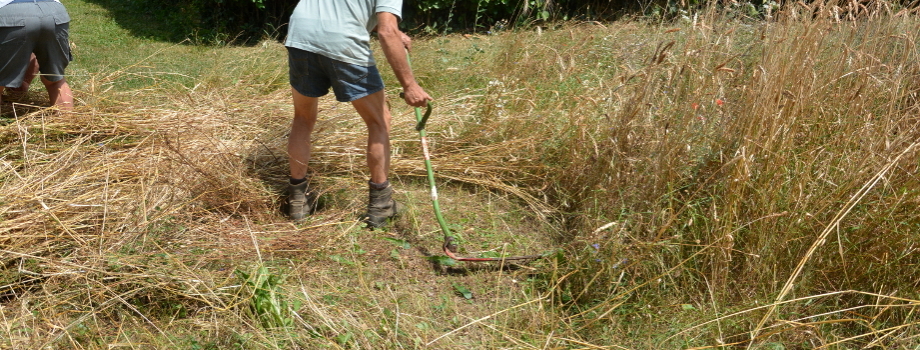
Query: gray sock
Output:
(378,187)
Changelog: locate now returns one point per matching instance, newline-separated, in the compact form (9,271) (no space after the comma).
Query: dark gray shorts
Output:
(41,28)
(312,75)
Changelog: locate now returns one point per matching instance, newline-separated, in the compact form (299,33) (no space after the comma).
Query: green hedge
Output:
(252,20)
(470,15)
(226,20)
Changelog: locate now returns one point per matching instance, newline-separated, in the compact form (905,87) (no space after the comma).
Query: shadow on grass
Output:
(237,23)
(471,268)
(146,19)
(11,108)
(464,268)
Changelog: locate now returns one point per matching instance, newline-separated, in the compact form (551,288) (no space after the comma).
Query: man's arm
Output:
(391,40)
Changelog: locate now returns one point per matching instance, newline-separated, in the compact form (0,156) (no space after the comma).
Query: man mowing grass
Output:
(328,46)
(34,35)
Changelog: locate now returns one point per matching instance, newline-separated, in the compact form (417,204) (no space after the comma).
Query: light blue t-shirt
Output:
(7,2)
(338,29)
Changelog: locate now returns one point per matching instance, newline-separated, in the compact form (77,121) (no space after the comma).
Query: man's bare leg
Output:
(299,142)
(376,116)
(59,94)
(300,198)
(31,72)
(380,205)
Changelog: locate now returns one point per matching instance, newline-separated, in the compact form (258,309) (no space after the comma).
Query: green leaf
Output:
(774,346)
(443,260)
(341,260)
(490,254)
(343,339)
(687,307)
(463,291)
(398,242)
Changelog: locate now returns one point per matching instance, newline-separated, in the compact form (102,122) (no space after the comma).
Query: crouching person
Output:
(34,36)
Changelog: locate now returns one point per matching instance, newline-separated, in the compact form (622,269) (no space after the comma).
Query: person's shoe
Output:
(380,207)
(300,201)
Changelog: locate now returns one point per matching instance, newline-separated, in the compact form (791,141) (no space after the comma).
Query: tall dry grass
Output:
(730,163)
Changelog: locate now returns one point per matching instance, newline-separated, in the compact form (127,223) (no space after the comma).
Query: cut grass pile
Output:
(147,212)
(713,182)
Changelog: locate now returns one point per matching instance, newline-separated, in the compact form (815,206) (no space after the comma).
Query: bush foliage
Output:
(256,19)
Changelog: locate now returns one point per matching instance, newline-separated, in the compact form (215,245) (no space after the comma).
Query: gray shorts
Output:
(312,75)
(41,28)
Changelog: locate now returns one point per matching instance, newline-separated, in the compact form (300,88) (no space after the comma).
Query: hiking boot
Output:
(380,206)
(300,201)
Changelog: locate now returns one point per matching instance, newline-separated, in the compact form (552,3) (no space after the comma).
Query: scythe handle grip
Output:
(424,120)
(421,123)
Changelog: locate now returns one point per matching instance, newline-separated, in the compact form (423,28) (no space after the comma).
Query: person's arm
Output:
(394,48)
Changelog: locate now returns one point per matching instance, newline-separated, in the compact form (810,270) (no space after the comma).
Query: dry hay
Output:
(117,198)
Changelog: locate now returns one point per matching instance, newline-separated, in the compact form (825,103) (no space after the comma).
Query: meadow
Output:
(718,180)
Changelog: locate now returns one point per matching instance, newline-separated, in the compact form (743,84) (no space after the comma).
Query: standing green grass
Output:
(108,56)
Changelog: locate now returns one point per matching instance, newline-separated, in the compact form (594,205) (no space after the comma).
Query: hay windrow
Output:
(111,197)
